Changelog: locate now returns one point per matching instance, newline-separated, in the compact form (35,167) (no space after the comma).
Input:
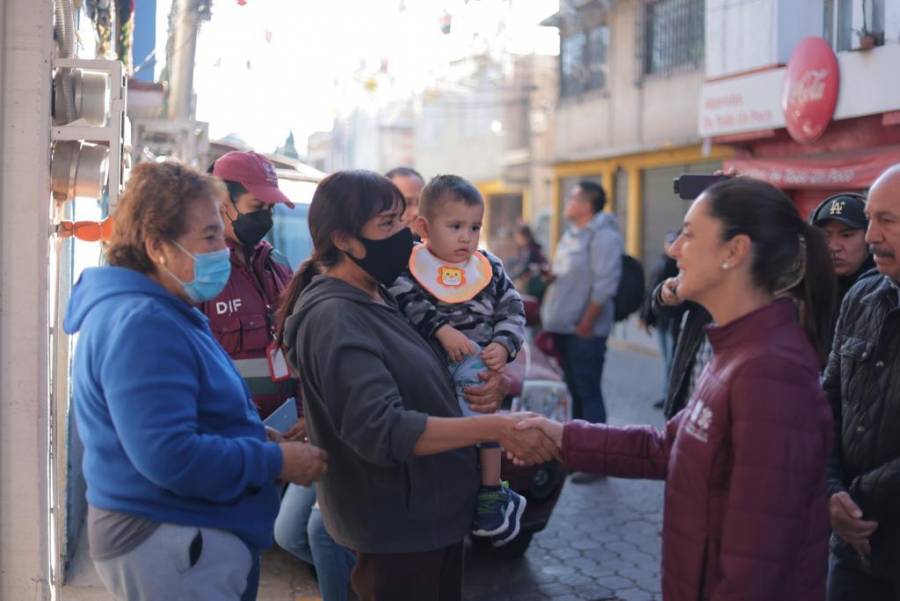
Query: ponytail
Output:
(790,256)
(301,279)
(818,292)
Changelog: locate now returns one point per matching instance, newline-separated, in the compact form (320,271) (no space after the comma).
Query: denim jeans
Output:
(300,531)
(667,349)
(582,363)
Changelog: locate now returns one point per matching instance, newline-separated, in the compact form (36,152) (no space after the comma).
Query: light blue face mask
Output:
(211,273)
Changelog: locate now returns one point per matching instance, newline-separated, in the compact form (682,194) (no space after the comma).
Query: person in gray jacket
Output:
(403,474)
(578,306)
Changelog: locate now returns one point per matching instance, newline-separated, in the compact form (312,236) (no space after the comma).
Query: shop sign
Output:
(743,104)
(811,87)
(848,170)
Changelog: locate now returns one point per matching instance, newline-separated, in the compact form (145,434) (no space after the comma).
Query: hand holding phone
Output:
(691,185)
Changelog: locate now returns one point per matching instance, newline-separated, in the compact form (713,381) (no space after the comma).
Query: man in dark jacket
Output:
(842,219)
(666,323)
(862,381)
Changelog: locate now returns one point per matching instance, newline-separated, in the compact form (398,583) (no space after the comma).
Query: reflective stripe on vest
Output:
(253,368)
(255,373)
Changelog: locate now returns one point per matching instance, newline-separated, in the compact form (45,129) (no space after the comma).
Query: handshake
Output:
(529,438)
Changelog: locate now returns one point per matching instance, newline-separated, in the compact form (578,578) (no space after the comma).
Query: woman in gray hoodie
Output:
(403,472)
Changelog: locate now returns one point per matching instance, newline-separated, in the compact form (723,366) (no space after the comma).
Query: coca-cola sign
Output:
(811,87)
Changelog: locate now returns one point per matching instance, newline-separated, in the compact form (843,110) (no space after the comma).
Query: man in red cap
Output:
(242,316)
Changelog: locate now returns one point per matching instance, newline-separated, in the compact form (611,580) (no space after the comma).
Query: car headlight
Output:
(545,397)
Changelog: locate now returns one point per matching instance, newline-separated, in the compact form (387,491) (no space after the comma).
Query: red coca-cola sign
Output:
(811,87)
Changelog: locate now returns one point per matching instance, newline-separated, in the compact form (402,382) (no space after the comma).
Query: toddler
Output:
(462,297)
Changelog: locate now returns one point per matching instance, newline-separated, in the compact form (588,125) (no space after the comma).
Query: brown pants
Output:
(428,576)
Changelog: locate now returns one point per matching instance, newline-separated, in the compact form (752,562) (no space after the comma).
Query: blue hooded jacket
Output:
(169,429)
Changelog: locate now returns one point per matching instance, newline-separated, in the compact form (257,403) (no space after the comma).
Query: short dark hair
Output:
(448,187)
(235,189)
(596,193)
(403,172)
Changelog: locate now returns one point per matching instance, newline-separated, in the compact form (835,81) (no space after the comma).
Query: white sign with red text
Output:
(743,104)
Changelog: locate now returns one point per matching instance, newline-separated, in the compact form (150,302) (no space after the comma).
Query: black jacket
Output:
(862,381)
(664,268)
(689,340)
(845,282)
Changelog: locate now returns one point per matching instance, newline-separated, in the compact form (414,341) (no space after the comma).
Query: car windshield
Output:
(290,232)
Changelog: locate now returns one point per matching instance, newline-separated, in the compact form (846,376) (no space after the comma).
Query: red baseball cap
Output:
(253,171)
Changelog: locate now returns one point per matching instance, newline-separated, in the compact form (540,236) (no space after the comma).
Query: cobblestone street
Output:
(603,539)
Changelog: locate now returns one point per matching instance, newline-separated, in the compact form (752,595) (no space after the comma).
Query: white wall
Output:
(25,50)
(749,34)
(892,21)
(740,35)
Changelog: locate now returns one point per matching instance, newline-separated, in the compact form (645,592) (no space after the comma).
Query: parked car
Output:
(290,232)
(536,383)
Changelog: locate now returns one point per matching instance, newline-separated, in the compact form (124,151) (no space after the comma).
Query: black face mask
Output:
(386,259)
(251,227)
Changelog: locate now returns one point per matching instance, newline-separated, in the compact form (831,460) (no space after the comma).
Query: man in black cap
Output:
(842,219)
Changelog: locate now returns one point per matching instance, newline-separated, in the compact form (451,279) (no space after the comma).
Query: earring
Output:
(725,265)
(162,260)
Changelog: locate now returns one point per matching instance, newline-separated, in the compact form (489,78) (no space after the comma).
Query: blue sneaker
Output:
(515,510)
(492,511)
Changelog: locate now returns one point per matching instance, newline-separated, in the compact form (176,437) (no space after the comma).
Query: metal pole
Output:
(184,48)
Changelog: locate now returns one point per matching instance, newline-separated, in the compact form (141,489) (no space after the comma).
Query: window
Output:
(598,48)
(583,60)
(853,24)
(673,35)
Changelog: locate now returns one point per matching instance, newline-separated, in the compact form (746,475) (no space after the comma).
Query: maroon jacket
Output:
(242,319)
(745,504)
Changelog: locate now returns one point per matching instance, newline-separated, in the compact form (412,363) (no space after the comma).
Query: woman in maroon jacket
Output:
(745,507)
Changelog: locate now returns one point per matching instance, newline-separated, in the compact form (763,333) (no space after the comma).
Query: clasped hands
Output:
(529,439)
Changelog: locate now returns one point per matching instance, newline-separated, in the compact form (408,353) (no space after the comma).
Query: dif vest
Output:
(242,318)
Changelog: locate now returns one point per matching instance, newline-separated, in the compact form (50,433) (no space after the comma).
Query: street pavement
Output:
(603,540)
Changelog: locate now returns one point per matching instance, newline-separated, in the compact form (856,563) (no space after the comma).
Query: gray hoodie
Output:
(587,267)
(369,383)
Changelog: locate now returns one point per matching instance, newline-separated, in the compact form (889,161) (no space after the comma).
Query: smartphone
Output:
(690,185)
(283,418)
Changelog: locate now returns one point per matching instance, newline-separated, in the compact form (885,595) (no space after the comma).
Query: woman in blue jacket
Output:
(180,474)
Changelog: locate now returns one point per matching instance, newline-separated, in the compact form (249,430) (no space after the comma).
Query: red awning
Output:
(842,170)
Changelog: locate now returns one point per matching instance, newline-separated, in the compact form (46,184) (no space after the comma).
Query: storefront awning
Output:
(843,170)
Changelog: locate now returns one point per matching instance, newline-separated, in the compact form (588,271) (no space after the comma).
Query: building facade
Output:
(630,75)
(489,121)
(813,106)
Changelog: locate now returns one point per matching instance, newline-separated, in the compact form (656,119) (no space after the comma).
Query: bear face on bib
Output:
(450,282)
